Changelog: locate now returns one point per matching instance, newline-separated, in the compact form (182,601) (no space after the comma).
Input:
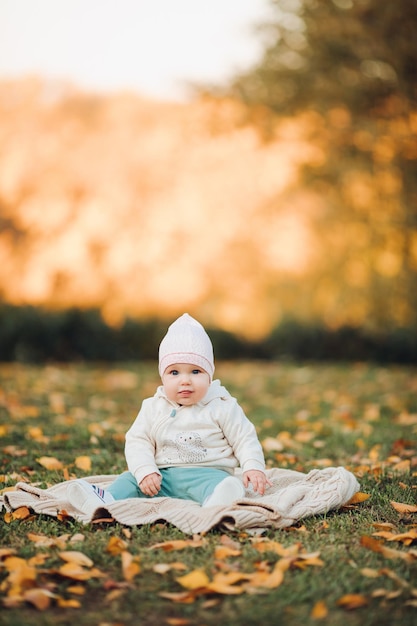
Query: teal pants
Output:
(186,483)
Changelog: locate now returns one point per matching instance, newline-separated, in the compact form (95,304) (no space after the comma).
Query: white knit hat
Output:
(186,342)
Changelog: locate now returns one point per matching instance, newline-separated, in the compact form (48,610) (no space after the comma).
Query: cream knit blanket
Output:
(292,497)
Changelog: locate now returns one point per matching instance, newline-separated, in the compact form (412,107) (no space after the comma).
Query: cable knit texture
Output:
(186,342)
(292,497)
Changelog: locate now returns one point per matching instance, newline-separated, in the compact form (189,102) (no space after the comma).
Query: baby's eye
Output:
(174,372)
(197,371)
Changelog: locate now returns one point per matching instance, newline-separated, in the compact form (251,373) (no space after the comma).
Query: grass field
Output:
(356,566)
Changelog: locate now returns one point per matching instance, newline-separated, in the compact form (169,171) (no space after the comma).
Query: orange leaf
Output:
(405,538)
(194,580)
(179,544)
(116,546)
(79,590)
(130,566)
(182,597)
(21,513)
(68,604)
(352,601)
(388,553)
(268,580)
(383,526)
(72,556)
(35,432)
(319,610)
(50,462)
(225,590)
(40,598)
(404,508)
(15,564)
(6,552)
(222,552)
(114,594)
(62,515)
(77,572)
(229,542)
(303,560)
(358,498)
(402,466)
(163,568)
(83,463)
(265,545)
(41,540)
(370,573)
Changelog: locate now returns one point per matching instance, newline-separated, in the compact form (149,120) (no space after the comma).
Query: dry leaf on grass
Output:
(224,552)
(40,598)
(179,544)
(18,514)
(163,568)
(406,538)
(116,545)
(72,556)
(50,463)
(404,508)
(194,580)
(358,498)
(83,463)
(77,572)
(130,566)
(319,610)
(376,546)
(352,601)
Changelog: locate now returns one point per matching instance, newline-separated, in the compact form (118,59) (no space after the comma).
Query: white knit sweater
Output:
(215,432)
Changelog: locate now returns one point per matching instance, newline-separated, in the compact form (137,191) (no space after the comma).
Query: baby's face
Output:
(185,384)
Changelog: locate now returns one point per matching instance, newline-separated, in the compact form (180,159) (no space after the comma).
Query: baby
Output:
(188,438)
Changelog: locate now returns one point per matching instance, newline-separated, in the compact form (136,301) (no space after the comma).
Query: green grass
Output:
(359,416)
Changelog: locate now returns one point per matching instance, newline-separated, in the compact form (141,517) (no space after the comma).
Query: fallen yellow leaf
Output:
(116,546)
(68,604)
(5,552)
(83,463)
(223,552)
(370,573)
(406,538)
(50,463)
(352,601)
(72,556)
(179,544)
(388,553)
(77,572)
(21,513)
(130,566)
(194,580)
(358,498)
(182,597)
(319,610)
(404,508)
(79,590)
(40,598)
(269,580)
(163,568)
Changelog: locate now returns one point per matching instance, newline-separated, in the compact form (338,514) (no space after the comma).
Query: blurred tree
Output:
(349,69)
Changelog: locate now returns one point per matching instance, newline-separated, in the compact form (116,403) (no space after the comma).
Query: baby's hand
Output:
(258,480)
(151,484)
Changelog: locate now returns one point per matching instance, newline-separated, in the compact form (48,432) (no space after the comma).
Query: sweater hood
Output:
(215,391)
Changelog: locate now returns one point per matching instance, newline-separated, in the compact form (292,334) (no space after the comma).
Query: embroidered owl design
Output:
(187,446)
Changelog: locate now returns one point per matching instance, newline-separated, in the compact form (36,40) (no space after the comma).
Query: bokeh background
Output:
(251,162)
